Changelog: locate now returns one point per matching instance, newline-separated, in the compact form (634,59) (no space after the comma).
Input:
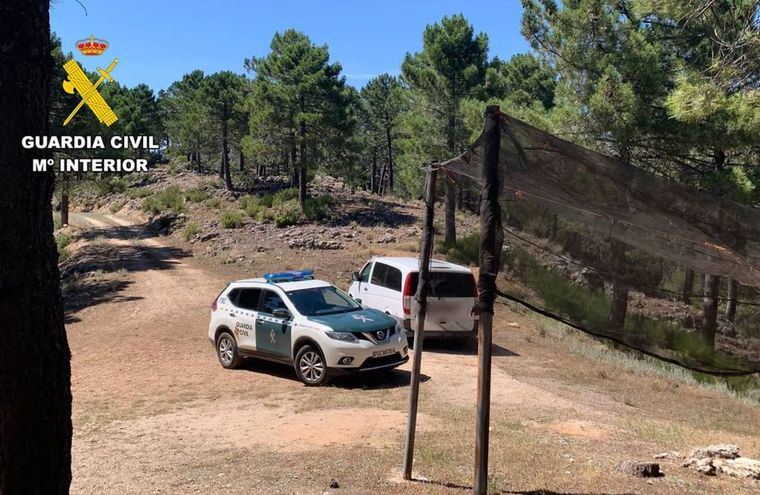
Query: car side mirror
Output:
(281,313)
(355,277)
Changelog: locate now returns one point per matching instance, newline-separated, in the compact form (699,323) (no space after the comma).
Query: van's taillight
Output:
(407,299)
(213,305)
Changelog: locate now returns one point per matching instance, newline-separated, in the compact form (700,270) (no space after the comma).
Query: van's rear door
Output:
(451,296)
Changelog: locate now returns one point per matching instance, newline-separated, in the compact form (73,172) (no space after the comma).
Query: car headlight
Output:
(342,336)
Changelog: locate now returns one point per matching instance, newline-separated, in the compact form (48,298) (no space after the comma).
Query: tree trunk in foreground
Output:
(710,308)
(35,373)
(733,291)
(688,286)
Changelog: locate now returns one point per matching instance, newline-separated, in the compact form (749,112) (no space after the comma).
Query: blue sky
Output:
(158,41)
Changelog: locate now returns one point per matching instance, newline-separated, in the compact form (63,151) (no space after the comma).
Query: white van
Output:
(390,283)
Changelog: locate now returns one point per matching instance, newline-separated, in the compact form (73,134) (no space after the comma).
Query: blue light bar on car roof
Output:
(289,276)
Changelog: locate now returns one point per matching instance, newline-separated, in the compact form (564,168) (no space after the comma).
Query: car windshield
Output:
(319,301)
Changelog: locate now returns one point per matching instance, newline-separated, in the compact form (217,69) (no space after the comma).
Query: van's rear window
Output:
(443,284)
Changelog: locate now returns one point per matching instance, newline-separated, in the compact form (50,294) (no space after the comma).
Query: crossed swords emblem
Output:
(79,82)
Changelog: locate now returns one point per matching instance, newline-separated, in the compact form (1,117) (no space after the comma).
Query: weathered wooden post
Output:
(426,248)
(490,253)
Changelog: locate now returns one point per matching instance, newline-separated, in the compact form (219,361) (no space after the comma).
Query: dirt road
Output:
(154,412)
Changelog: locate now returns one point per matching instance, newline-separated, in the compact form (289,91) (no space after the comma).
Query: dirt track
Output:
(155,413)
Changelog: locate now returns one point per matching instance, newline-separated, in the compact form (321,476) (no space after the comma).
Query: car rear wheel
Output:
(227,352)
(310,366)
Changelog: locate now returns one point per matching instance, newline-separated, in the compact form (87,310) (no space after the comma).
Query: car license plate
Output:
(383,352)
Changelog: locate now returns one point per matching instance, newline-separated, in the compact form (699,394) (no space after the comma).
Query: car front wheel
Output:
(310,366)
(227,352)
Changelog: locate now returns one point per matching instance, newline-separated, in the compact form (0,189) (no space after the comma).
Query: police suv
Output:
(291,318)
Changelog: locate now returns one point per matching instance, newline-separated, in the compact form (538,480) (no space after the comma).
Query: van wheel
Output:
(227,352)
(311,366)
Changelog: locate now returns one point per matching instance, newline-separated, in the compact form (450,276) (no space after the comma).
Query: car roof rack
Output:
(289,276)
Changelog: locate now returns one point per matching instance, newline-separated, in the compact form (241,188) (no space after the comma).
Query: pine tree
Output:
(383,103)
(222,95)
(450,68)
(301,104)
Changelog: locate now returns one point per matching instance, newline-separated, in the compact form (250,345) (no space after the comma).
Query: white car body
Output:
(243,310)
(388,284)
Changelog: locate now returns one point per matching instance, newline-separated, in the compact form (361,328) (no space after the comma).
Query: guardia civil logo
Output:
(77,81)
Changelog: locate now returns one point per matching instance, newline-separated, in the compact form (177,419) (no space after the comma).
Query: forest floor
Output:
(154,412)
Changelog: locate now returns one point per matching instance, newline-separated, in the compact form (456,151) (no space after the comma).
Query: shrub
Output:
(152,205)
(317,208)
(214,203)
(287,214)
(195,195)
(231,220)
(466,250)
(170,198)
(110,186)
(117,206)
(139,193)
(284,195)
(62,240)
(251,206)
(266,200)
(190,230)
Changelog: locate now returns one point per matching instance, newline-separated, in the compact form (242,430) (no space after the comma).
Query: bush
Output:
(214,203)
(139,193)
(251,206)
(195,195)
(116,207)
(231,220)
(111,186)
(190,230)
(279,198)
(62,240)
(317,208)
(284,195)
(170,198)
(465,251)
(152,205)
(287,214)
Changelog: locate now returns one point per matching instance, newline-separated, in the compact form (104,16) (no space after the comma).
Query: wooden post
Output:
(426,248)
(490,252)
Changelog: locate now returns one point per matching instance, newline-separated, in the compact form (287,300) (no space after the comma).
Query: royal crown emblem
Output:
(92,46)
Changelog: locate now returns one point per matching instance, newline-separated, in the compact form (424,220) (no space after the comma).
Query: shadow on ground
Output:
(374,213)
(457,486)
(376,380)
(551,492)
(97,272)
(132,232)
(465,348)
